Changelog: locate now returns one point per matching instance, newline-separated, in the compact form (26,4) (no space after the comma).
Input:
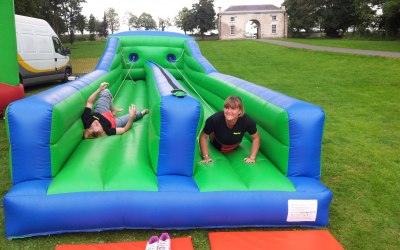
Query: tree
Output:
(337,16)
(52,9)
(71,10)
(112,20)
(103,27)
(391,17)
(49,10)
(81,23)
(302,14)
(164,23)
(334,16)
(184,20)
(27,7)
(130,20)
(92,27)
(146,22)
(61,25)
(204,16)
(366,17)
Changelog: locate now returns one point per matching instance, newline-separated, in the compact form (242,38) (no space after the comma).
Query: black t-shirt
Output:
(228,136)
(88,118)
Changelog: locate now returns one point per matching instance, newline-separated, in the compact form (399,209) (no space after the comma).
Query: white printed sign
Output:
(302,210)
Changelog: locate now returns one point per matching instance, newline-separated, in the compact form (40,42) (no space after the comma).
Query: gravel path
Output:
(332,49)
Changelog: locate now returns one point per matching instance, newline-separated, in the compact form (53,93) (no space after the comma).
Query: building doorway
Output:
(252,29)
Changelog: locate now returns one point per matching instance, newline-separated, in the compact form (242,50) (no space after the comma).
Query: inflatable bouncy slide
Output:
(151,177)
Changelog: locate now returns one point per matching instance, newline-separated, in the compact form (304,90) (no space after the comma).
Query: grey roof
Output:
(241,8)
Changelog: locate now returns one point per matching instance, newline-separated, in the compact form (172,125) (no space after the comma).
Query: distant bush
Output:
(305,34)
(358,35)
(370,35)
(206,37)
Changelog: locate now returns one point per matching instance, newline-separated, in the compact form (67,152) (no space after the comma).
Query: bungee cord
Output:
(188,82)
(127,73)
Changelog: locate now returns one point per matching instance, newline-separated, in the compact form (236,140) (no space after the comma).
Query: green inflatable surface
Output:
(129,161)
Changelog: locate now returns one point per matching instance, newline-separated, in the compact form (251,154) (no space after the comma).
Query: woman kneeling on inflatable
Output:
(226,130)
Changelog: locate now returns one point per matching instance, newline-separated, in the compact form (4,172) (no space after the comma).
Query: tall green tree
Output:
(184,20)
(54,16)
(204,16)
(164,23)
(391,17)
(49,10)
(71,10)
(27,7)
(92,27)
(130,20)
(103,26)
(365,16)
(303,14)
(337,16)
(112,20)
(146,22)
(333,16)
(81,23)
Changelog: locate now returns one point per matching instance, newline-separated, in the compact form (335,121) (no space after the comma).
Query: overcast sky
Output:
(157,8)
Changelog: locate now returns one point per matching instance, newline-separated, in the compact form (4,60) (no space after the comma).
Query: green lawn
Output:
(393,46)
(361,145)
(86,49)
(85,55)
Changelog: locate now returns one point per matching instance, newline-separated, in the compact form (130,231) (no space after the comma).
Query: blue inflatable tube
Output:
(42,214)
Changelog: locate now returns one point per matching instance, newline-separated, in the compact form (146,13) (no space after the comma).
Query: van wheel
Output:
(67,73)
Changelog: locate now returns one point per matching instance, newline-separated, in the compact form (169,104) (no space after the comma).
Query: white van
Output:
(41,55)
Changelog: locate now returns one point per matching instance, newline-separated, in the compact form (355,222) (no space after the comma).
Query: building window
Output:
(273,28)
(233,30)
(273,18)
(232,18)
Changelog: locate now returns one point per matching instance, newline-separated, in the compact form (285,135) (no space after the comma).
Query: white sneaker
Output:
(152,244)
(164,242)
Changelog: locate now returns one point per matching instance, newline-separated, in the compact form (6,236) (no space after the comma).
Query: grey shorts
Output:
(104,105)
(123,120)
(104,102)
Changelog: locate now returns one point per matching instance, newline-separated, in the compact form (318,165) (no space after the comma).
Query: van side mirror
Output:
(67,51)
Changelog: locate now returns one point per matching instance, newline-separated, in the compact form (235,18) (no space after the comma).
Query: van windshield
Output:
(58,47)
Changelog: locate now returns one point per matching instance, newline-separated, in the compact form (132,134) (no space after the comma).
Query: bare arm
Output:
(254,149)
(132,112)
(204,148)
(93,97)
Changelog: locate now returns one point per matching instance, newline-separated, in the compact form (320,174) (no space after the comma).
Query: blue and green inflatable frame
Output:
(150,177)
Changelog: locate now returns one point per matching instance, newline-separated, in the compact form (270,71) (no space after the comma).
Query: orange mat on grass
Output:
(282,240)
(176,244)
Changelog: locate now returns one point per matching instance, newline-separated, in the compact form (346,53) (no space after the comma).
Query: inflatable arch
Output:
(150,177)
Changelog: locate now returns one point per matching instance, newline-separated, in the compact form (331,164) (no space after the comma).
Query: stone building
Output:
(266,21)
